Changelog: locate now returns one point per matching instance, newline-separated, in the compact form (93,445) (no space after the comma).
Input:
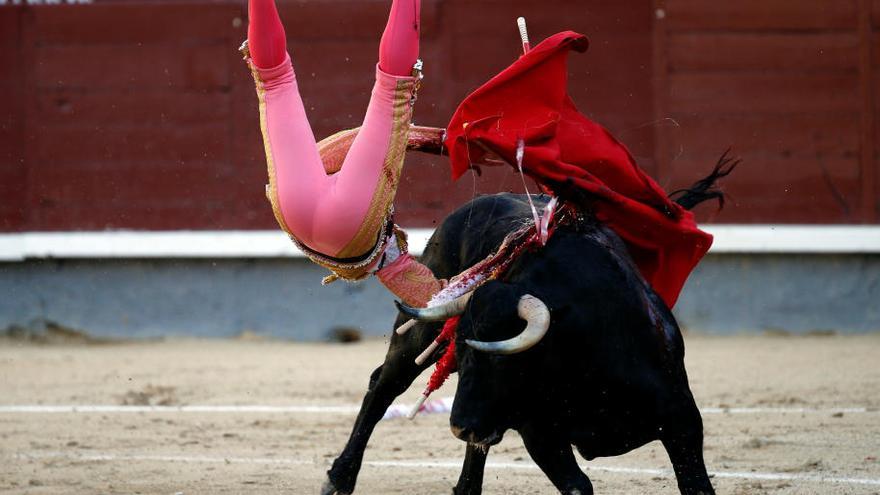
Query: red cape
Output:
(529,100)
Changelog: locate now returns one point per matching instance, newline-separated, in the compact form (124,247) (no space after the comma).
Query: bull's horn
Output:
(535,313)
(441,312)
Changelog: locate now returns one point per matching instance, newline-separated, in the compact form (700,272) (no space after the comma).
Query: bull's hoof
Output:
(330,489)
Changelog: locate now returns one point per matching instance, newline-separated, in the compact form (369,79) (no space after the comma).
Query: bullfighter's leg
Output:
(552,452)
(470,482)
(387,382)
(682,437)
(335,199)
(339,215)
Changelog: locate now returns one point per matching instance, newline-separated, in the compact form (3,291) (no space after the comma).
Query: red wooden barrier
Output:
(140,115)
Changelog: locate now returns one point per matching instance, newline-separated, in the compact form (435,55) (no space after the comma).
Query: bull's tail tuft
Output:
(705,189)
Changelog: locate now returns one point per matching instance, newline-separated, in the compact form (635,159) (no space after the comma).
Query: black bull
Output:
(608,377)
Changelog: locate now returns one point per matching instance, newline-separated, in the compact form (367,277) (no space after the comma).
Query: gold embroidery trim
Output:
(381,206)
(389,178)
(333,149)
(271,188)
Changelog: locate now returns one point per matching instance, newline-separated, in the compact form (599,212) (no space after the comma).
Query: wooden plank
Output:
(876,150)
(157,107)
(868,115)
(94,67)
(9,26)
(350,19)
(799,52)
(27,100)
(763,93)
(13,179)
(420,203)
(117,146)
(764,15)
(13,172)
(246,142)
(341,74)
(777,170)
(875,49)
(141,182)
(333,60)
(610,83)
(784,136)
(660,90)
(213,215)
(784,190)
(474,71)
(313,20)
(111,23)
(497,19)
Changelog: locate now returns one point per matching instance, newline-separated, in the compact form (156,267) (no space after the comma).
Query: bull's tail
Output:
(705,189)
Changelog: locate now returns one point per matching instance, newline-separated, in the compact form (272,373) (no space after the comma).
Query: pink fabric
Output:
(266,38)
(411,281)
(325,211)
(399,47)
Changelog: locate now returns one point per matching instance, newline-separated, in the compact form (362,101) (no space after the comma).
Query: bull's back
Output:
(475,230)
(585,269)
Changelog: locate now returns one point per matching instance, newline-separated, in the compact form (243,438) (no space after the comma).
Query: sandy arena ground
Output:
(792,437)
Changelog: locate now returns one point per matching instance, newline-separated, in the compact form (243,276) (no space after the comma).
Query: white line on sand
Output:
(99,408)
(442,406)
(428,464)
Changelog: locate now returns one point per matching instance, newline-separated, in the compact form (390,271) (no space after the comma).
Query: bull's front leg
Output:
(470,482)
(387,382)
(551,451)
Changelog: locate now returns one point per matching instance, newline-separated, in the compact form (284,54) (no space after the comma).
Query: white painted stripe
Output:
(666,473)
(198,459)
(455,465)
(795,238)
(162,244)
(100,408)
(443,405)
(786,410)
(138,244)
(275,244)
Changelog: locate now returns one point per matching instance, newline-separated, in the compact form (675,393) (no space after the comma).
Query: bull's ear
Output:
(492,313)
